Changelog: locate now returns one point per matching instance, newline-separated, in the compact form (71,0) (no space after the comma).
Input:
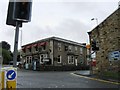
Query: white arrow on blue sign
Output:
(11,75)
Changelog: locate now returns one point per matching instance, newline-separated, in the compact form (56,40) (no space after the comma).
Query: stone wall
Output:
(107,35)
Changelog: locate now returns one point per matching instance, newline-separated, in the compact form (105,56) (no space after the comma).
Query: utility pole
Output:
(21,44)
(92,47)
(16,44)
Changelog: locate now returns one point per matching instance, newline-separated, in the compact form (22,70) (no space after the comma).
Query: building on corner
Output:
(54,54)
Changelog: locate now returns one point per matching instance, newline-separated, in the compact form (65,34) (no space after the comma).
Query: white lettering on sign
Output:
(115,55)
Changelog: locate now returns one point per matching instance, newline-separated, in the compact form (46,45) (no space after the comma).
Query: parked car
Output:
(18,63)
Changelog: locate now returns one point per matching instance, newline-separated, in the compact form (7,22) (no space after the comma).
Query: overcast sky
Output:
(68,19)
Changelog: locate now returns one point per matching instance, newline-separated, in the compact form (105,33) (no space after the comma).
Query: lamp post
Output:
(90,48)
(95,19)
(93,39)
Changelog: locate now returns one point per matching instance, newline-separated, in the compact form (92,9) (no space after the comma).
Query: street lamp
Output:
(94,47)
(95,19)
(89,47)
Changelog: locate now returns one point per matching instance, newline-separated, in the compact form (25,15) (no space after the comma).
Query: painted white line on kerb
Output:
(117,83)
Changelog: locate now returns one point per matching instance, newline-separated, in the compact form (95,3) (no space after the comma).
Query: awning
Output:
(29,46)
(42,44)
(34,45)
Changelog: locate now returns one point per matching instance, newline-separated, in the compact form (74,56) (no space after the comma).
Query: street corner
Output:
(95,78)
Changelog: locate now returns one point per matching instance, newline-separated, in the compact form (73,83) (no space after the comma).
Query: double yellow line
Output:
(117,83)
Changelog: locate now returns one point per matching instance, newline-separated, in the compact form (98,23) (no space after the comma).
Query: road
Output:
(54,79)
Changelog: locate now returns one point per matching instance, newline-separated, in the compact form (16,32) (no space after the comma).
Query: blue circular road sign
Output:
(11,75)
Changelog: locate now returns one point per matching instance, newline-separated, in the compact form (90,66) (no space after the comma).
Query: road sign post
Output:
(16,44)
(18,13)
(9,78)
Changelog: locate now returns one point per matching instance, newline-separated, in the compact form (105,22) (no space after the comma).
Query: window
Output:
(30,59)
(81,50)
(70,59)
(36,48)
(27,59)
(70,48)
(29,49)
(59,46)
(42,56)
(44,47)
(66,48)
(76,49)
(76,61)
(59,59)
(40,49)
(24,50)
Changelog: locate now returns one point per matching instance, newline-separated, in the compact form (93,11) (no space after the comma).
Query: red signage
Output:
(94,63)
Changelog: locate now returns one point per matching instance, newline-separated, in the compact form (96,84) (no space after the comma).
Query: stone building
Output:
(54,54)
(107,36)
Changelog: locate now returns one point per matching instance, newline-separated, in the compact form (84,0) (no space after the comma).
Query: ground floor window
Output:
(29,59)
(59,59)
(81,60)
(76,61)
(70,59)
(42,56)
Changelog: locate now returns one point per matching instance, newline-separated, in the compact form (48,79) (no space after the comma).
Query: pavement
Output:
(87,73)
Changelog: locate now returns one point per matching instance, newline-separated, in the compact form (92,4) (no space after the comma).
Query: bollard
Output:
(11,85)
(11,75)
(9,78)
(3,79)
(0,80)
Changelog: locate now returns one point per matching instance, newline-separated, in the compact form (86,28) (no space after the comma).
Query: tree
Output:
(5,52)
(6,56)
(5,45)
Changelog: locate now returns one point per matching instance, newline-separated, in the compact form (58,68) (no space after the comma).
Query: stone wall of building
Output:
(54,49)
(107,35)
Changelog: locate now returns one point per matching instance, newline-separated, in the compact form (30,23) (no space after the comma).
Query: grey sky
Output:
(69,19)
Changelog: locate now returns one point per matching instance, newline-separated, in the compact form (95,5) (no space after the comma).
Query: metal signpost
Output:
(11,78)
(18,12)
(16,44)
